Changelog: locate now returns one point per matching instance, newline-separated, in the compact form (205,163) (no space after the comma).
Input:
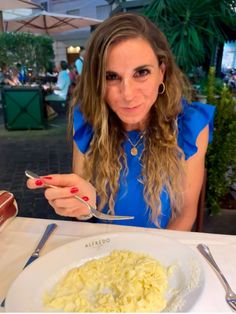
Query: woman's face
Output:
(133,76)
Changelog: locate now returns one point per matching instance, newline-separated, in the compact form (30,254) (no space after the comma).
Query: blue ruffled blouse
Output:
(129,200)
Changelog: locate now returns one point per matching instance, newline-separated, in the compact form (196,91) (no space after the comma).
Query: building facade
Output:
(99,9)
(128,5)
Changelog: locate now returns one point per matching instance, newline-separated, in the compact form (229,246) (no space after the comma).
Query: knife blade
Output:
(50,228)
(48,231)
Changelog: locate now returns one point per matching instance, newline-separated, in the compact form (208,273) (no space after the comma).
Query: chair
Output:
(60,106)
(23,108)
(201,205)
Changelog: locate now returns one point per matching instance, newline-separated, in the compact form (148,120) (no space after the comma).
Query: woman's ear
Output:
(163,68)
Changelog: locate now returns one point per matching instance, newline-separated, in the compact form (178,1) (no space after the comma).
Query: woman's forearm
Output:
(182,223)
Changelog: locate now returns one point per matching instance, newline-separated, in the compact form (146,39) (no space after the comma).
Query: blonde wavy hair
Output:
(162,159)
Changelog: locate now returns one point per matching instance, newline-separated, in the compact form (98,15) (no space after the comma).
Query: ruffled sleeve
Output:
(194,118)
(83,132)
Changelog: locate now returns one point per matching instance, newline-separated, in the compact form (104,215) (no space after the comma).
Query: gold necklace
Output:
(134,150)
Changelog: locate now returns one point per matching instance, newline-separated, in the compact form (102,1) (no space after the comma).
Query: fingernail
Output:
(85,198)
(47,178)
(74,190)
(39,182)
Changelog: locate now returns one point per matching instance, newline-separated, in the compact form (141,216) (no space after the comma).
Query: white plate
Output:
(26,293)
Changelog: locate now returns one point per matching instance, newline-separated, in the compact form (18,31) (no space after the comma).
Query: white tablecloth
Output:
(19,238)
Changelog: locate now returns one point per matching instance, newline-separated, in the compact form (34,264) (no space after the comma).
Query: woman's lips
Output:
(132,109)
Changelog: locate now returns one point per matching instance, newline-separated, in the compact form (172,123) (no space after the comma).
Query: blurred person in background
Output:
(73,78)
(15,76)
(79,62)
(60,90)
(6,76)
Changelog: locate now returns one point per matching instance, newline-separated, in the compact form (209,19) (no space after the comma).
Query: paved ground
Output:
(42,151)
(48,151)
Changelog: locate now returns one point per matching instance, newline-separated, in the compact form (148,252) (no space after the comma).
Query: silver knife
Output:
(50,228)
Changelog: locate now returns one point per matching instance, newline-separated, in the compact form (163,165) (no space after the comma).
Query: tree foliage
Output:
(221,157)
(193,28)
(27,49)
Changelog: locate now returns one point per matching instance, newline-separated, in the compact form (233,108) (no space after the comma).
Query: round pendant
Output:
(134,151)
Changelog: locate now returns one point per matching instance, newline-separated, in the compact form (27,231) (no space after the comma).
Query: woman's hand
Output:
(62,199)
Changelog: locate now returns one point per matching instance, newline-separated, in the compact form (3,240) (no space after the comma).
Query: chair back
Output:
(201,209)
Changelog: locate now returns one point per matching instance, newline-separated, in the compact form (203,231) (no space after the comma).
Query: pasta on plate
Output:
(122,281)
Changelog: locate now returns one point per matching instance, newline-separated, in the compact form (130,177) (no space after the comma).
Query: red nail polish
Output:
(39,182)
(47,178)
(85,198)
(74,190)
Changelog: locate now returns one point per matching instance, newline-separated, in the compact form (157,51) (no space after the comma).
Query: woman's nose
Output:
(128,89)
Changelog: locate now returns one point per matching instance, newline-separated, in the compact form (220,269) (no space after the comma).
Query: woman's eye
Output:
(111,76)
(141,73)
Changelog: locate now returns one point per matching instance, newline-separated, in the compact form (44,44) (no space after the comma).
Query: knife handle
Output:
(50,228)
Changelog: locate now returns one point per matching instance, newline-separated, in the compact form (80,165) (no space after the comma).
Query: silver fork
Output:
(230,296)
(92,211)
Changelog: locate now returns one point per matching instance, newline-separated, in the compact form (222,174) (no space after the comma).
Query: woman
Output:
(8,78)
(136,139)
(15,77)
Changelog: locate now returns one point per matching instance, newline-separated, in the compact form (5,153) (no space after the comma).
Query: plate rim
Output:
(79,241)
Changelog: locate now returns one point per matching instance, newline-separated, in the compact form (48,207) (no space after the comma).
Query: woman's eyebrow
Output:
(140,67)
(111,72)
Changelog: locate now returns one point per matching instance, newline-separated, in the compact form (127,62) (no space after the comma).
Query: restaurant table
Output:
(19,238)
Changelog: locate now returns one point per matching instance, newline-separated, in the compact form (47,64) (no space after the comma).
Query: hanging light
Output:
(72,49)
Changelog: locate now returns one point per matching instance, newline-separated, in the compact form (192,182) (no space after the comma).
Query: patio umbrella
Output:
(44,22)
(15,4)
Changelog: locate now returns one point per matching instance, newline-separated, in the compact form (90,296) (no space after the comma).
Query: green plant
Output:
(193,28)
(27,49)
(221,157)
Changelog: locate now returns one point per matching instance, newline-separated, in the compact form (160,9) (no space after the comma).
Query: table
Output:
(19,238)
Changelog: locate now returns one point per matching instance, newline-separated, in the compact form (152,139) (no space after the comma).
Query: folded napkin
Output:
(8,208)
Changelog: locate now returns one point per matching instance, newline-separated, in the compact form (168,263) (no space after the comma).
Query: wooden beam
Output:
(1,22)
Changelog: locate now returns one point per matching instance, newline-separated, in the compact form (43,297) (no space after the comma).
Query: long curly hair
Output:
(162,159)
